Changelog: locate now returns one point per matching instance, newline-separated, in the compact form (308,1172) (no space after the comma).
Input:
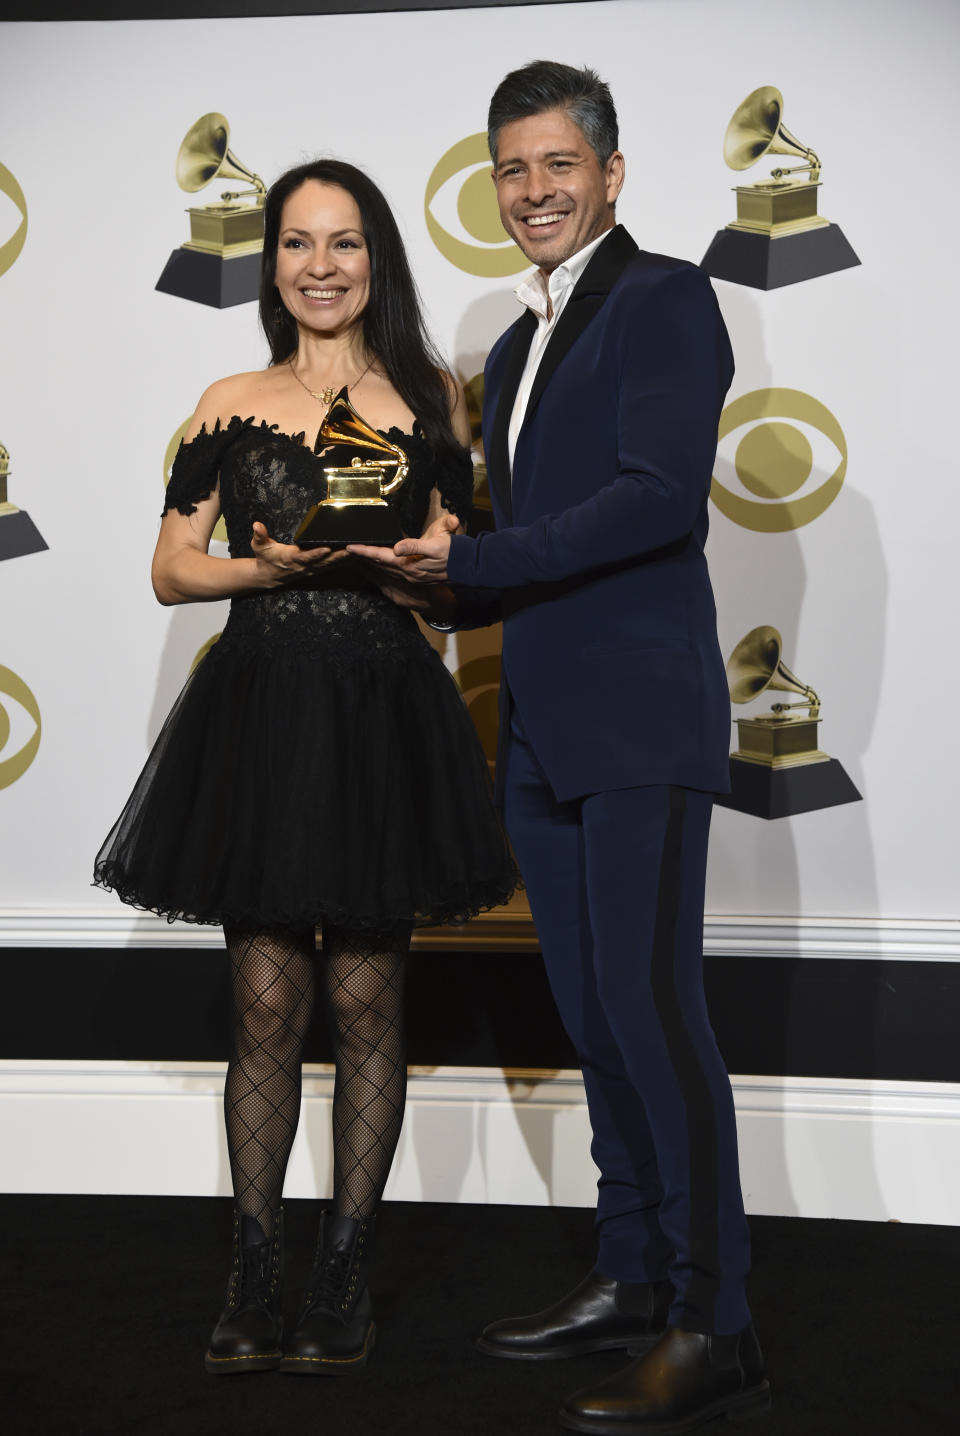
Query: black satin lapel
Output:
(498,452)
(571,324)
(606,265)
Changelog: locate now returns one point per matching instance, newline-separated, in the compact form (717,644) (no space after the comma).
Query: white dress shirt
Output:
(544,297)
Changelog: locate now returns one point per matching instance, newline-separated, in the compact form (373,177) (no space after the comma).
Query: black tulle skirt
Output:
(286,792)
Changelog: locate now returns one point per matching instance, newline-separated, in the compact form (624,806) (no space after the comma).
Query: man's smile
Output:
(538,220)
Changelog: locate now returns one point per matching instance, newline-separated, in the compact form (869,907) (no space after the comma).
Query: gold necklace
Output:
(325,396)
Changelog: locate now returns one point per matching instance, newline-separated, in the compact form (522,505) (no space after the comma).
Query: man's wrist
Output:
(441,610)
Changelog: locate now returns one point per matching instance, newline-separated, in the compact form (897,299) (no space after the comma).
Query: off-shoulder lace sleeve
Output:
(195,470)
(453,478)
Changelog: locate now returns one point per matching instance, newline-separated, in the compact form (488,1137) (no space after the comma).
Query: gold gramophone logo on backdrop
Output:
(19,535)
(460,194)
(15,718)
(785,483)
(10,249)
(219,264)
(777,237)
(779,768)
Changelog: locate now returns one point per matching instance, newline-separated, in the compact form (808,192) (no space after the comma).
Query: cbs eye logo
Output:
(479,682)
(460,207)
(220,529)
(15,732)
(792,470)
(10,249)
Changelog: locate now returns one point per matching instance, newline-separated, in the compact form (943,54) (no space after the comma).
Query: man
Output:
(600,425)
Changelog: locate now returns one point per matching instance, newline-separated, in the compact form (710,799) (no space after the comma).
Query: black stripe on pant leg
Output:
(703,1231)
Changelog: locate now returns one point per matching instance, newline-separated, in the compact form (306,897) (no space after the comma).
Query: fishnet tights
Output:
(273,988)
(365,978)
(273,997)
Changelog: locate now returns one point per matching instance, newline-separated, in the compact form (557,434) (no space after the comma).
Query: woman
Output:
(319,768)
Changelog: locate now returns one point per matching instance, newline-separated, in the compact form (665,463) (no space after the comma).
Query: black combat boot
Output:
(248,1335)
(335,1333)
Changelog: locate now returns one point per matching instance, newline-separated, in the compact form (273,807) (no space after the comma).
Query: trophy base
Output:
(765,792)
(333,526)
(19,535)
(210,278)
(766,261)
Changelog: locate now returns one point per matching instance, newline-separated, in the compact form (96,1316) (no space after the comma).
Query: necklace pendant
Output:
(324,395)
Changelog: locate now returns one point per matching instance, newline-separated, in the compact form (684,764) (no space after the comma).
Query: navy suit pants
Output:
(616,888)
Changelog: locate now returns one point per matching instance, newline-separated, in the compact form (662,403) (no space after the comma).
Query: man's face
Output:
(553,193)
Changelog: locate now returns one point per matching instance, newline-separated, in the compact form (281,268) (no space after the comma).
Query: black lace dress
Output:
(319,766)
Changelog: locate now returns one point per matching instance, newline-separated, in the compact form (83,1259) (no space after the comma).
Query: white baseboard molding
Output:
(874,1151)
(904,939)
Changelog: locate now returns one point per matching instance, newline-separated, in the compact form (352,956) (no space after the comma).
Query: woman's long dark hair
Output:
(393,328)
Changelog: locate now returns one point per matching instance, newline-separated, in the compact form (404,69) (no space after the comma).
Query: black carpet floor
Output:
(107,1304)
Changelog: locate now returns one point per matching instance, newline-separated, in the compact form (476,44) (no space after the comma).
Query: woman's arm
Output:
(184,572)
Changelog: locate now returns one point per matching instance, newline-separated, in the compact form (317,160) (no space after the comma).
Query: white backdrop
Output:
(99,370)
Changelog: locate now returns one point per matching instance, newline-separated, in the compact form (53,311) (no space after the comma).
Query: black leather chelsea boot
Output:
(598,1315)
(686,1380)
(247,1337)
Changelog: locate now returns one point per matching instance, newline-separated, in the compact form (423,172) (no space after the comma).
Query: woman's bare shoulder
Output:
(236,396)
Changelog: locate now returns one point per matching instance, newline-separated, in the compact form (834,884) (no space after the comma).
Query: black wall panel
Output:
(773,1016)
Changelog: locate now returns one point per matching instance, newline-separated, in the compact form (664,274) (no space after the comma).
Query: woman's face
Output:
(323,264)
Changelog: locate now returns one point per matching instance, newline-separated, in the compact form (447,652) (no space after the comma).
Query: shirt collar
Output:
(533,289)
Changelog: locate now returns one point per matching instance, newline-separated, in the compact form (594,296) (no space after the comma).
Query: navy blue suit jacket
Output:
(596,565)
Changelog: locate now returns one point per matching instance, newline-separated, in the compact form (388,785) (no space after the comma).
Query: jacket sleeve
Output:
(476,608)
(674,369)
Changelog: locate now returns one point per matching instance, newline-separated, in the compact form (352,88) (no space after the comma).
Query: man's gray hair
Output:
(548,85)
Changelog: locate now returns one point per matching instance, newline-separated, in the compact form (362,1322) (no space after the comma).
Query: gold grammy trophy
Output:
(777,237)
(778,769)
(219,264)
(355,509)
(18,533)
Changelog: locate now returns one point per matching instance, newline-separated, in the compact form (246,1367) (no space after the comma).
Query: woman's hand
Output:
(280,565)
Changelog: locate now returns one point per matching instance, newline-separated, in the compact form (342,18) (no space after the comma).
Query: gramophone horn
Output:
(343,425)
(204,154)
(755,665)
(757,129)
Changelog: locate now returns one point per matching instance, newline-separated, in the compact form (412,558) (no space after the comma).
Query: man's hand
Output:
(422,560)
(393,586)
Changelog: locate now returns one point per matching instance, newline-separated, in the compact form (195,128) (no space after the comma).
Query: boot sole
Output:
(636,1346)
(238,1365)
(330,1365)
(742,1407)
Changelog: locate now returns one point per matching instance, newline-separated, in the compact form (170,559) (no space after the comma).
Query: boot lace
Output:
(329,1281)
(252,1281)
